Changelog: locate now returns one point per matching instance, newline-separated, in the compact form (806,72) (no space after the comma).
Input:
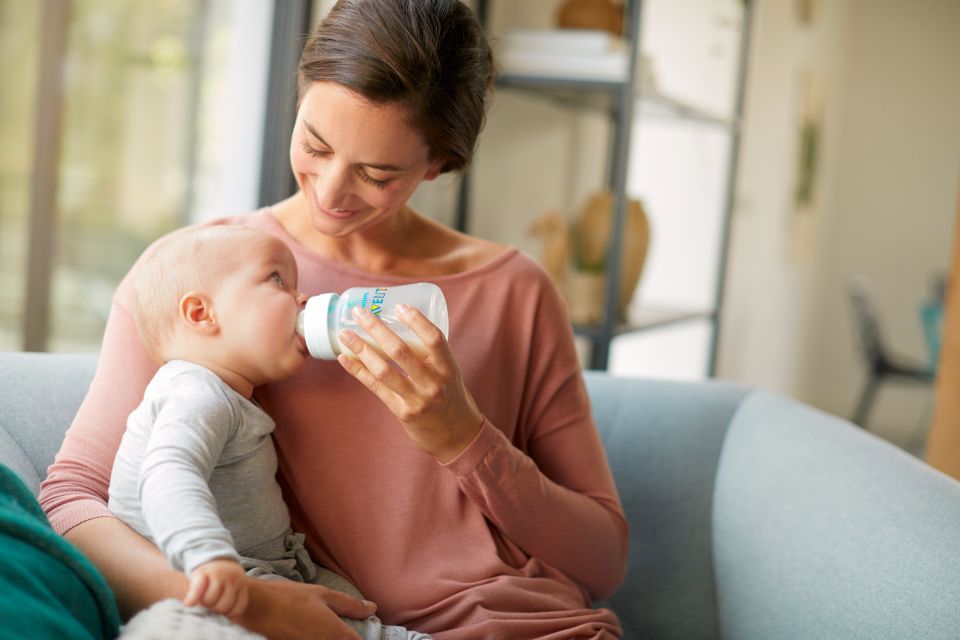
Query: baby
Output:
(195,473)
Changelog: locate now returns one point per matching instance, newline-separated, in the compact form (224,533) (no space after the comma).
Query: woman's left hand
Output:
(431,401)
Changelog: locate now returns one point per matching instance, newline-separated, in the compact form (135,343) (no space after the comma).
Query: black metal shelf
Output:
(623,101)
(602,95)
(654,104)
(646,319)
(605,95)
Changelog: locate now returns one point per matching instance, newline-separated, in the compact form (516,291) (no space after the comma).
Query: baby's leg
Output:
(370,628)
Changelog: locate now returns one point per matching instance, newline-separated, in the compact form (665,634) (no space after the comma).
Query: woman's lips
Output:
(339,214)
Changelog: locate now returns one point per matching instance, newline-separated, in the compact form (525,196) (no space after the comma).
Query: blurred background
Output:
(762,191)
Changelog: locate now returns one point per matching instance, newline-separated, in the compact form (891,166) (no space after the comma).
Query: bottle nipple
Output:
(300,329)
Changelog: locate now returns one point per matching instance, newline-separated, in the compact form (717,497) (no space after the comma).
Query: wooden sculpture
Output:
(603,15)
(592,237)
(554,232)
(575,255)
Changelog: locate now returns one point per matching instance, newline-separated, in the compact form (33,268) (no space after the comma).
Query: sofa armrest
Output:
(822,530)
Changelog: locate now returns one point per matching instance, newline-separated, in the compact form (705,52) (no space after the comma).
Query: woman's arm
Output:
(281,610)
(549,487)
(557,502)
(77,482)
(137,572)
(551,490)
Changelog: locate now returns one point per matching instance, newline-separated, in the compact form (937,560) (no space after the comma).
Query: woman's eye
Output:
(379,184)
(316,153)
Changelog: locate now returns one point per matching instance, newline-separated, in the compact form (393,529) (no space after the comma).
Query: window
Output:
(123,120)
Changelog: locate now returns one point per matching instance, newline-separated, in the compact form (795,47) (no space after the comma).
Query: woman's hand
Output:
(287,610)
(424,391)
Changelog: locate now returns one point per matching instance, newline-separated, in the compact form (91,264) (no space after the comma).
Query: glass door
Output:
(115,121)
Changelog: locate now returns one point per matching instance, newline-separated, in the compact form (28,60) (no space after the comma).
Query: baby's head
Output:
(221,296)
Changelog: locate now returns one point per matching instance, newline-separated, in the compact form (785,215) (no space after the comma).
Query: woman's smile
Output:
(339,214)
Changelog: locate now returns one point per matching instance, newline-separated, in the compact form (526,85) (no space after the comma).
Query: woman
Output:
(468,495)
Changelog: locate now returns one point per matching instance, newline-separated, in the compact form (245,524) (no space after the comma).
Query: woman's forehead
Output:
(352,125)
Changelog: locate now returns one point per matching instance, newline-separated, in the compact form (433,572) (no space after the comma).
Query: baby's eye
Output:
(276,277)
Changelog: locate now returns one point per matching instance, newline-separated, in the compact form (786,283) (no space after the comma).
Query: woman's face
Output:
(355,162)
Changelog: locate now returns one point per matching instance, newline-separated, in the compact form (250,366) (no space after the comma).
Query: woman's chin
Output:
(331,228)
(337,227)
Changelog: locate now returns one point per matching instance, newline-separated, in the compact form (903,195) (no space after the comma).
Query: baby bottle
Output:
(327,314)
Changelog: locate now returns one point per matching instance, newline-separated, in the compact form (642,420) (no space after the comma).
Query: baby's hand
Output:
(219,585)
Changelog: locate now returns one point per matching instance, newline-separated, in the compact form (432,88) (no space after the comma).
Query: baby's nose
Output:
(302,298)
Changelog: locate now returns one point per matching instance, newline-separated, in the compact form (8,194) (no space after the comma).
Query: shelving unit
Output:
(622,102)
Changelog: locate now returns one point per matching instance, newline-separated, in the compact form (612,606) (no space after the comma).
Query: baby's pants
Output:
(371,628)
(292,562)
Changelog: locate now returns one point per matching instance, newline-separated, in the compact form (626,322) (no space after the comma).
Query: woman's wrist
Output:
(456,448)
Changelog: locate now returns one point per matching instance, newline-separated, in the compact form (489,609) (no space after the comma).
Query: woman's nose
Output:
(333,185)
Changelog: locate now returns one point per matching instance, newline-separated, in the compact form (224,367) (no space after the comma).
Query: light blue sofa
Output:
(752,516)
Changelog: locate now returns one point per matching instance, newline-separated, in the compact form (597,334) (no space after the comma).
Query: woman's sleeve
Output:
(75,489)
(551,491)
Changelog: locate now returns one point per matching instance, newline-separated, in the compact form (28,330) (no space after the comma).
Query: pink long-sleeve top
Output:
(512,539)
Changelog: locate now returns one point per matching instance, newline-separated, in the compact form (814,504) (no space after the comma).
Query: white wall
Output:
(891,159)
(769,299)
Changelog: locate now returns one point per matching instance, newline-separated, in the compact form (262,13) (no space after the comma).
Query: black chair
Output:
(881,365)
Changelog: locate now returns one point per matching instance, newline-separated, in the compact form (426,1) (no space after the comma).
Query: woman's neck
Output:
(404,243)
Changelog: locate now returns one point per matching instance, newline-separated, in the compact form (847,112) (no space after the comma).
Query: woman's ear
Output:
(197,312)
(434,170)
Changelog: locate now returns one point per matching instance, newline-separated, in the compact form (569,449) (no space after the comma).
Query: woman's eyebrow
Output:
(372,165)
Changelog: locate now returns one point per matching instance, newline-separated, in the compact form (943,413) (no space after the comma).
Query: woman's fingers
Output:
(287,610)
(430,401)
(434,342)
(380,366)
(345,605)
(391,345)
(357,367)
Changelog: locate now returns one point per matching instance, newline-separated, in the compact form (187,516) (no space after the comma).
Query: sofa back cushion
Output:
(822,530)
(39,395)
(663,442)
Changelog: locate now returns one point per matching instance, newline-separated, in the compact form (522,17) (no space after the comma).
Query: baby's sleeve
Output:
(192,427)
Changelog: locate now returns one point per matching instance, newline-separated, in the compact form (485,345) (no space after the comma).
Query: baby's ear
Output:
(197,312)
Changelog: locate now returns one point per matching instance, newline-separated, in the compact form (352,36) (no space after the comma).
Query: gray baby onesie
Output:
(196,474)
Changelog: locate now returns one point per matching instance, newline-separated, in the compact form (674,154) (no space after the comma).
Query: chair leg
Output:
(866,400)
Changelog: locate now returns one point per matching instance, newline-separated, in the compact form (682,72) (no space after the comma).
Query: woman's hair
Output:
(430,56)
